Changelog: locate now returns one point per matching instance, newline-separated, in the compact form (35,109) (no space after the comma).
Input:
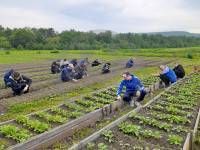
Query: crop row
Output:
(162,125)
(46,120)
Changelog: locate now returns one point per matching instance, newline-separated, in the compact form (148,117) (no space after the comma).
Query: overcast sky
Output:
(115,15)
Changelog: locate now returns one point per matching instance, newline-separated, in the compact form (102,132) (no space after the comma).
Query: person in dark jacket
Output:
(134,88)
(67,73)
(179,71)
(130,63)
(95,63)
(63,62)
(167,75)
(55,67)
(84,63)
(106,68)
(6,77)
(20,84)
(74,62)
(80,71)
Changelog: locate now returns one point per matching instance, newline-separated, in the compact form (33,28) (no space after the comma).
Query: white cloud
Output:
(117,15)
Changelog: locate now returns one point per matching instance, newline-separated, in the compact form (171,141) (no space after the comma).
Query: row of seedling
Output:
(23,127)
(44,121)
(162,125)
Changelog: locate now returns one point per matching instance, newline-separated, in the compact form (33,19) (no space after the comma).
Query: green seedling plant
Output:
(59,111)
(174,110)
(151,134)
(2,147)
(90,146)
(75,114)
(150,80)
(175,139)
(180,101)
(108,136)
(74,106)
(130,129)
(106,96)
(180,129)
(51,118)
(85,103)
(34,125)
(15,133)
(98,100)
(108,92)
(102,146)
(92,108)
(153,122)
(180,106)
(171,118)
(112,89)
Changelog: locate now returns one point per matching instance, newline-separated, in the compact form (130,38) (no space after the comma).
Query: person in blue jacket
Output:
(134,88)
(67,73)
(20,84)
(6,77)
(167,75)
(130,63)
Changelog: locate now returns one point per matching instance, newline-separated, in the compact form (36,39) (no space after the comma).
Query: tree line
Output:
(48,38)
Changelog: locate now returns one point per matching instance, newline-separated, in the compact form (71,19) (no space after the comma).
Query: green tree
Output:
(4,43)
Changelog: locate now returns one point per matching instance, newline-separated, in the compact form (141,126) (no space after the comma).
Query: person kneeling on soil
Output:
(106,68)
(74,62)
(80,71)
(166,75)
(20,84)
(179,71)
(134,88)
(130,63)
(95,63)
(67,73)
(55,67)
(7,76)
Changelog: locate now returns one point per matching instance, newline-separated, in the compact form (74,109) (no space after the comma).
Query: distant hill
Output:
(176,33)
(167,33)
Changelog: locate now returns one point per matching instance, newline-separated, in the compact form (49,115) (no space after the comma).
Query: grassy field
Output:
(188,57)
(22,56)
(179,55)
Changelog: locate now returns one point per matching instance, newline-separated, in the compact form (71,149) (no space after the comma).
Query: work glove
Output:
(26,88)
(119,97)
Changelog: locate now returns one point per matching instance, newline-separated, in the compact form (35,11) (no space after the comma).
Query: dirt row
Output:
(6,93)
(44,70)
(65,87)
(28,68)
(23,66)
(52,80)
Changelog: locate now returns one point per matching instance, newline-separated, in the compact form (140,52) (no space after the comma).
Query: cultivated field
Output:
(40,118)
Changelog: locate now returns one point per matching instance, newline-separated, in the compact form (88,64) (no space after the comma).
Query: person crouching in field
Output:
(80,71)
(106,68)
(19,84)
(67,73)
(134,88)
(166,75)
(179,71)
(95,63)
(55,67)
(6,77)
(130,63)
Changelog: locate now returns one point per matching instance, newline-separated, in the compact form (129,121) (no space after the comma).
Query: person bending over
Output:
(134,88)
